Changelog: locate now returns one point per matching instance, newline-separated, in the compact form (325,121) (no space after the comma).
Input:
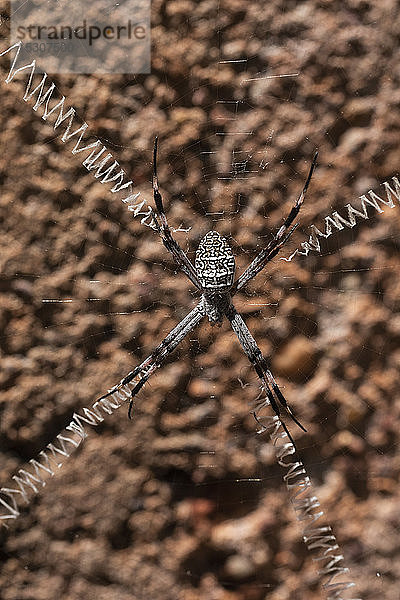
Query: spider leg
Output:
(164,231)
(142,372)
(260,365)
(278,240)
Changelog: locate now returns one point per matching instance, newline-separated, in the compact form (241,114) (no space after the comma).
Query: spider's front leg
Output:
(260,364)
(279,240)
(164,231)
(142,372)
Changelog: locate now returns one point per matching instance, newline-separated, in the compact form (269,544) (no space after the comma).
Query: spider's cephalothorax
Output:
(215,268)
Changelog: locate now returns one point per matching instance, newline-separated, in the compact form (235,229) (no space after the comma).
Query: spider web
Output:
(187,495)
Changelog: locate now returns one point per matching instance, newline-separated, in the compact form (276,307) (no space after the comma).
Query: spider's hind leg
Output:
(135,390)
(127,379)
(143,371)
(254,354)
(281,397)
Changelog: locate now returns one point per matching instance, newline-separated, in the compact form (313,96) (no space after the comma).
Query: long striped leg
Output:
(143,371)
(260,364)
(164,231)
(277,242)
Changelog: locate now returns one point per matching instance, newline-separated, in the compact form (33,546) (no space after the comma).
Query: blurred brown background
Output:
(168,506)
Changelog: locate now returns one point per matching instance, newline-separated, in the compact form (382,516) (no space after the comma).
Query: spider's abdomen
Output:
(215,263)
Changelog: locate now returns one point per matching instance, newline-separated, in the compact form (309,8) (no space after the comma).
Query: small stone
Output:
(297,360)
(239,567)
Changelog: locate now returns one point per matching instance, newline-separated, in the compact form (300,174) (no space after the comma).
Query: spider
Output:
(213,275)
